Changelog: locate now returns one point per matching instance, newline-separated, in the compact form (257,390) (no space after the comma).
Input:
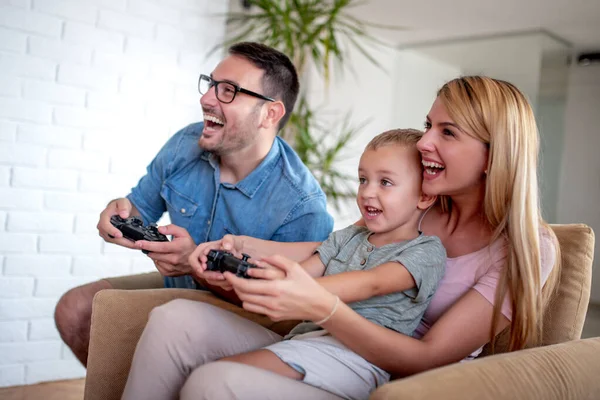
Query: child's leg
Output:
(182,335)
(229,380)
(265,359)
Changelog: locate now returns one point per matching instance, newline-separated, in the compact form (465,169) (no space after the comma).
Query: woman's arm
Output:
(464,328)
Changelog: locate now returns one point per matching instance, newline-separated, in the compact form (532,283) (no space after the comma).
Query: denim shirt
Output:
(280,200)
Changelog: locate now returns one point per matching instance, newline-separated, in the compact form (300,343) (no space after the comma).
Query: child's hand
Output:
(199,258)
(266,271)
(216,278)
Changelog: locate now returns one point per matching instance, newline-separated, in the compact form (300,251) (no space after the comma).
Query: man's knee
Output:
(187,315)
(74,309)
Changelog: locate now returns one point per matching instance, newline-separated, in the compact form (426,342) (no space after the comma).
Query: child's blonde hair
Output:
(402,137)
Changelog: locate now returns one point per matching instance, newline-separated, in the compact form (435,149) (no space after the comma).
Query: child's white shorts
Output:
(329,365)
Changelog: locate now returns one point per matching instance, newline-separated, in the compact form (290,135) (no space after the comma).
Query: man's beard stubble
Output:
(234,138)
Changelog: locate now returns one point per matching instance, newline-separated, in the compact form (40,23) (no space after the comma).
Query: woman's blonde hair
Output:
(498,114)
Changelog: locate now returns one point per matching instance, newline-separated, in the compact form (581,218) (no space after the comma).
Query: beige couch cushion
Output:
(565,315)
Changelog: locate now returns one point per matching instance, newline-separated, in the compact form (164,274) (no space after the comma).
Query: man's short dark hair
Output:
(280,80)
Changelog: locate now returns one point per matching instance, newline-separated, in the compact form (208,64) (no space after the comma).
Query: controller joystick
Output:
(222,261)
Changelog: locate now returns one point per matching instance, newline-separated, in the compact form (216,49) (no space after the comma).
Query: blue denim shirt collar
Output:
(250,184)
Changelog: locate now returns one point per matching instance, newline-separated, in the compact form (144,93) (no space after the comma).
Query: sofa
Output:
(563,367)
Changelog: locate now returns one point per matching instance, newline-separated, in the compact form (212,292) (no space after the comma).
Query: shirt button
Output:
(363,262)
(208,222)
(370,249)
(182,210)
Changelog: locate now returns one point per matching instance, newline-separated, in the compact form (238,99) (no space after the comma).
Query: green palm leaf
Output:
(322,33)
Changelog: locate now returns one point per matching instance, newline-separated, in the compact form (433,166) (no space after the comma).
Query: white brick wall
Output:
(80,84)
(13,331)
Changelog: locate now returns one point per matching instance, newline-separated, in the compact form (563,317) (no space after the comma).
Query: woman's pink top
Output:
(481,271)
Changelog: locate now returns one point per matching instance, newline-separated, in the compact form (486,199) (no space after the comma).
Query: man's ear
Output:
(275,111)
(426,201)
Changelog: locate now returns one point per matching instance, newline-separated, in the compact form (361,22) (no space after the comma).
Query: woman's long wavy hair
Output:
(498,114)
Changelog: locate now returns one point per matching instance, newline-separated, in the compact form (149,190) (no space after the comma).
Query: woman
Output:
(479,155)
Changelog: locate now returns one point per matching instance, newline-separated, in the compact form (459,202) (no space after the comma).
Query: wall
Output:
(516,59)
(89,91)
(579,193)
(417,79)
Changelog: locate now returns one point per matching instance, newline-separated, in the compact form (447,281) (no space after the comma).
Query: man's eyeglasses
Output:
(224,90)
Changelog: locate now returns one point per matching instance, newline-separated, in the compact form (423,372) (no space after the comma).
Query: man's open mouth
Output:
(213,122)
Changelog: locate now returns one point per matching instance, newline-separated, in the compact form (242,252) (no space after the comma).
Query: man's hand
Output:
(170,258)
(123,208)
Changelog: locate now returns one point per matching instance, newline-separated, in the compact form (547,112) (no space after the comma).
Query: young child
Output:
(387,271)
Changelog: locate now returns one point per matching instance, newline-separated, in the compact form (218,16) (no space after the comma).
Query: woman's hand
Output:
(284,292)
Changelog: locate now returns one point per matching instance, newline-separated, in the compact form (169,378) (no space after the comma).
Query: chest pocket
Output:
(179,205)
(341,261)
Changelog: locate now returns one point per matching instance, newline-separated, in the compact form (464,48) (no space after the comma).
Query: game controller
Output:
(133,228)
(222,261)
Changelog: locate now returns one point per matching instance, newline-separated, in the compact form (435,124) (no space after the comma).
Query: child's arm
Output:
(352,286)
(313,266)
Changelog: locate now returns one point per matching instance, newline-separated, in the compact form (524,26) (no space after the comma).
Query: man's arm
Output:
(351,286)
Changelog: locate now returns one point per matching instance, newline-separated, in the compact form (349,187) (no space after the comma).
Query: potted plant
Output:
(321,33)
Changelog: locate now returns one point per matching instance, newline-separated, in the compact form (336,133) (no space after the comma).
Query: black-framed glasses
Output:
(225,90)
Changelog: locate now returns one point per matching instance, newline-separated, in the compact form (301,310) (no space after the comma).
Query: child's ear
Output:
(425,201)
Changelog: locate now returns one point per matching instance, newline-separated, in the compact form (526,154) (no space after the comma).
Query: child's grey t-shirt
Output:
(424,257)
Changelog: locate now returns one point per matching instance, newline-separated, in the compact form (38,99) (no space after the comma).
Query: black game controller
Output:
(222,261)
(133,228)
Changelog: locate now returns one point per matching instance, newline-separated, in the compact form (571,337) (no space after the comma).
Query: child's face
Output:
(389,188)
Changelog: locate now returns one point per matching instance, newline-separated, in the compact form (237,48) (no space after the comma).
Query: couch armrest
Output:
(562,371)
(118,319)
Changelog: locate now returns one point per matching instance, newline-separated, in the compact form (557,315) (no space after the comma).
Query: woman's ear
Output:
(426,201)
(275,111)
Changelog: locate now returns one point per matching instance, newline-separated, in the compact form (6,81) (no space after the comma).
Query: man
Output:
(229,174)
